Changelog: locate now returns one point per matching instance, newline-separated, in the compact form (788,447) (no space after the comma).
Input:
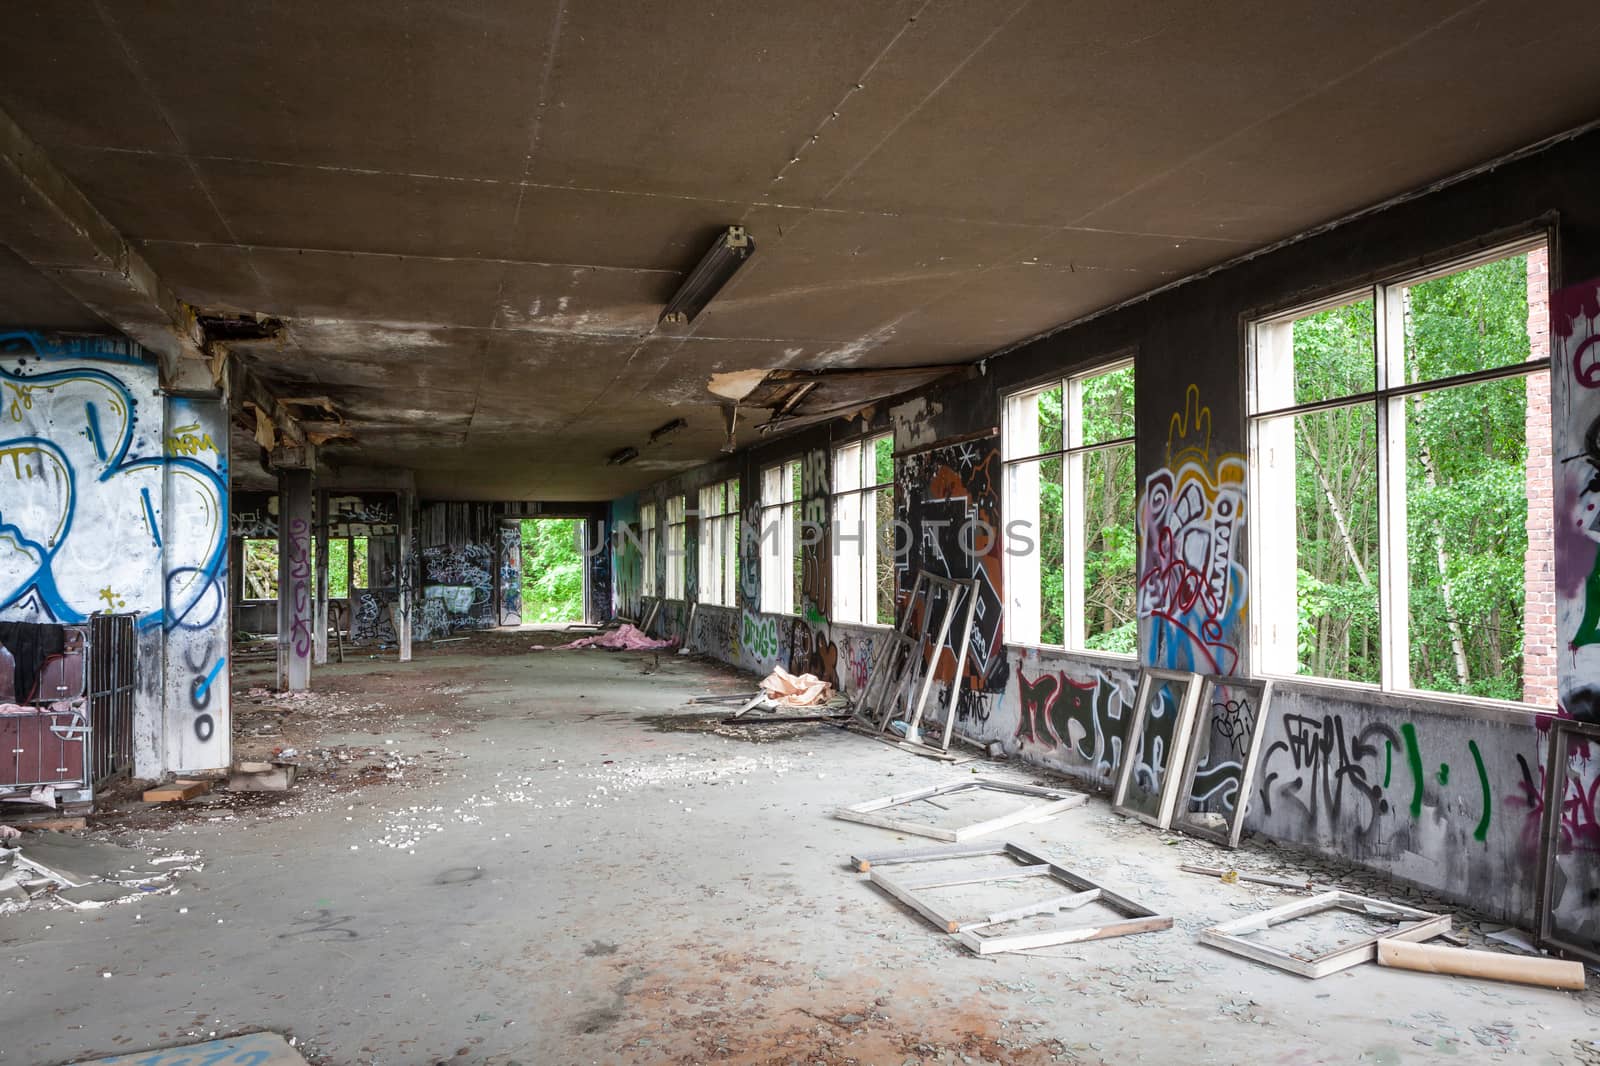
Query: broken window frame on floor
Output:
(908,659)
(1182,731)
(1230,936)
(877,812)
(1558,763)
(1184,818)
(1136,918)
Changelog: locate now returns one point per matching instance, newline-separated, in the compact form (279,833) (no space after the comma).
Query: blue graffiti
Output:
(106,482)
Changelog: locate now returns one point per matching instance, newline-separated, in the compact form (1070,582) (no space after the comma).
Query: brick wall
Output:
(1539,613)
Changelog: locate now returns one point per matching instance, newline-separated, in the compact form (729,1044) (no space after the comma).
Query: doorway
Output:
(552,570)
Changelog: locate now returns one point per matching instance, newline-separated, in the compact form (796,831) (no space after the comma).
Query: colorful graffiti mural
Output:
(92,454)
(947,508)
(1193,591)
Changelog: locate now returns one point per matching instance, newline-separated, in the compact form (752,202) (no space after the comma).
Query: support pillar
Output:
(319,636)
(406,569)
(294,580)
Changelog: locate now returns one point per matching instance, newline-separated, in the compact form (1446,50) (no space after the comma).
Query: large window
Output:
(347,565)
(647,529)
(1071,506)
(719,542)
(677,547)
(1400,454)
(863,507)
(780,537)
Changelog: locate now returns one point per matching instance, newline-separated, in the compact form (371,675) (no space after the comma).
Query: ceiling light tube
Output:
(727,255)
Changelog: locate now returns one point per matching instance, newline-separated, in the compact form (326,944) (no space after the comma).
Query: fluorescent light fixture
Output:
(623,457)
(732,248)
(667,430)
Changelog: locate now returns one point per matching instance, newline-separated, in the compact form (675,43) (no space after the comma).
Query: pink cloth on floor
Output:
(623,638)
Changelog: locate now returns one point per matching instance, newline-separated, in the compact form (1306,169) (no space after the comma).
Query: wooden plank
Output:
(1259,879)
(866,861)
(177,791)
(1494,965)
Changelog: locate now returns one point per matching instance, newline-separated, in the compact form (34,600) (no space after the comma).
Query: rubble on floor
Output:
(66,871)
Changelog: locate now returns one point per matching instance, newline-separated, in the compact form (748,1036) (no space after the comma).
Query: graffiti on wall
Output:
(1192,588)
(457,591)
(1575,327)
(511,575)
(371,619)
(947,501)
(83,463)
(1076,720)
(89,464)
(1223,745)
(599,569)
(759,637)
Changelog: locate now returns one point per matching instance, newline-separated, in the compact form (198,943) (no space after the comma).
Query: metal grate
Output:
(113,656)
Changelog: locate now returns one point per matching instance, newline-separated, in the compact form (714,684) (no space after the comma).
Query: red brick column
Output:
(1539,610)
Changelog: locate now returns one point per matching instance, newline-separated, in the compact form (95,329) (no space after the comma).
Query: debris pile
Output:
(59,871)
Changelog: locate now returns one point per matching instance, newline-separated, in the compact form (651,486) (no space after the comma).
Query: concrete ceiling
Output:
(469,214)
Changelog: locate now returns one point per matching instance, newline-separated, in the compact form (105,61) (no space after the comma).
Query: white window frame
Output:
(647,530)
(1020,421)
(855,542)
(677,547)
(719,543)
(779,506)
(1274,605)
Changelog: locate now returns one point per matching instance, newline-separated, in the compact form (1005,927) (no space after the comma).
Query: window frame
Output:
(1387,402)
(777,511)
(647,526)
(718,551)
(677,532)
(858,553)
(1071,453)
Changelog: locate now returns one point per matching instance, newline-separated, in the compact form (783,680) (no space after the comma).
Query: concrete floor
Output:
(510,857)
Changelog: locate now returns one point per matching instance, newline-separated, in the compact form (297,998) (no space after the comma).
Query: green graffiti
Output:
(1482,832)
(1388,762)
(1414,757)
(1444,773)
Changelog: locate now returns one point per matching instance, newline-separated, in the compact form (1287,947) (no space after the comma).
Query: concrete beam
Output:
(47,221)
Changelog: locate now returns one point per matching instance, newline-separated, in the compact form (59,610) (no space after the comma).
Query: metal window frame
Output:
(1558,760)
(1182,818)
(1182,731)
(1230,936)
(877,812)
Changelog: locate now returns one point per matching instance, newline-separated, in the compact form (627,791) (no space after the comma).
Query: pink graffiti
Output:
(1580,828)
(300,585)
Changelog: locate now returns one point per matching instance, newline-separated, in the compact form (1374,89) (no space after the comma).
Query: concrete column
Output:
(407,568)
(294,580)
(319,636)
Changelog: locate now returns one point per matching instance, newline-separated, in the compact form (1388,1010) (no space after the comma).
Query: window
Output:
(863,506)
(780,537)
(347,565)
(261,569)
(719,542)
(1071,507)
(677,547)
(647,526)
(1409,424)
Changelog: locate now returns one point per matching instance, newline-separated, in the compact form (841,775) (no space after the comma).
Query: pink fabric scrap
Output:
(623,638)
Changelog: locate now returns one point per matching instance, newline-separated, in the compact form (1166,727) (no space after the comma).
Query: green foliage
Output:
(552,570)
(1110,507)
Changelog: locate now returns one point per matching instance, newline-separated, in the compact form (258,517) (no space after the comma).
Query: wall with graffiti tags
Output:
(947,517)
(92,454)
